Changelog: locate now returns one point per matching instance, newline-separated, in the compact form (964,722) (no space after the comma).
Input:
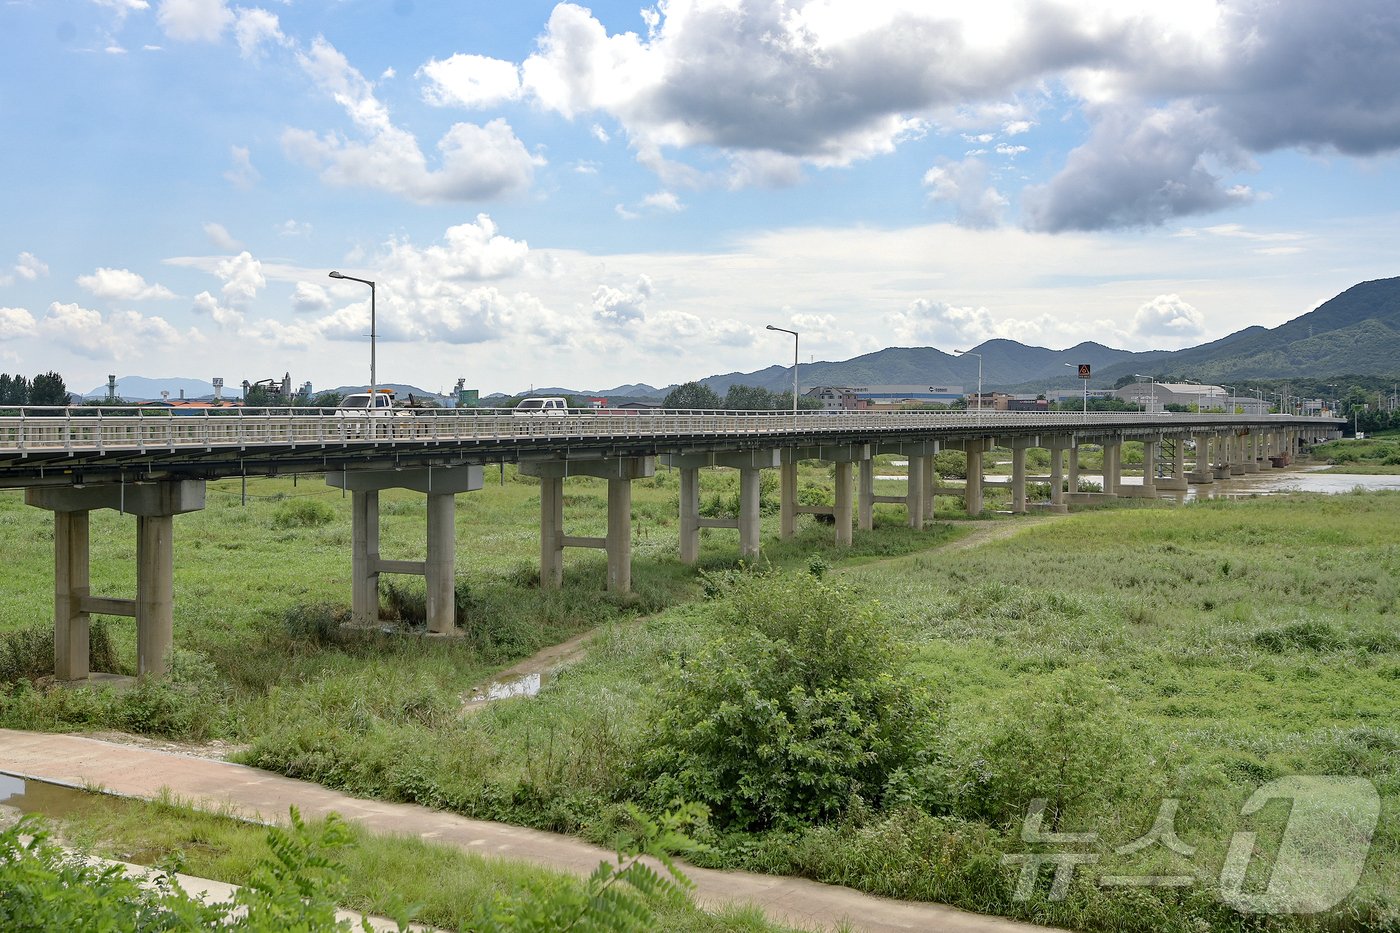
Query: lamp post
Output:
(979,373)
(1230,406)
(794,362)
(373,380)
(1153,380)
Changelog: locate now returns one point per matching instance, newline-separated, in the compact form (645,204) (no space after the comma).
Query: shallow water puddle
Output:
(30,796)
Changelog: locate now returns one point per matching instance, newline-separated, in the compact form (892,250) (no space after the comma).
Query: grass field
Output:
(1108,660)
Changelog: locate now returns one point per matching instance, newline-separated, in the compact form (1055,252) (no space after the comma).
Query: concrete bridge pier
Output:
(617,543)
(749,463)
(1249,452)
(1235,454)
(1202,471)
(441,485)
(865,495)
(1150,445)
(154,505)
(1220,456)
(842,457)
(918,495)
(974,448)
(1056,446)
(1019,446)
(1073,478)
(914,496)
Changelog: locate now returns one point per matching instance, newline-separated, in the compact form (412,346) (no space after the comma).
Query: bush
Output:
(318,624)
(801,705)
(28,653)
(1064,738)
(951,464)
(302,513)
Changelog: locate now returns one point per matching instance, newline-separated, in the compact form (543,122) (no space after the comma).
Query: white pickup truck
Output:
(359,408)
(542,407)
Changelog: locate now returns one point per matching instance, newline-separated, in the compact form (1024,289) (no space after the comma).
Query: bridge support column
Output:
(551,532)
(843,503)
(1056,448)
(866,494)
(364,557)
(1202,471)
(914,496)
(70,578)
(1249,452)
(750,464)
(930,486)
(1150,446)
(1220,463)
(619,535)
(1112,465)
(1175,480)
(1073,477)
(154,505)
(1235,453)
(690,515)
(787,483)
(1019,446)
(155,592)
(441,485)
(972,500)
(617,543)
(750,487)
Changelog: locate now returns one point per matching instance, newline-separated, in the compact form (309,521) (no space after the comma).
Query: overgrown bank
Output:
(1105,662)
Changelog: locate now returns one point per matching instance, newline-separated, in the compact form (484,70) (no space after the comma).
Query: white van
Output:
(542,407)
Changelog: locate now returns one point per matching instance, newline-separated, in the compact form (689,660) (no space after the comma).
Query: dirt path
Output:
(996,531)
(131,771)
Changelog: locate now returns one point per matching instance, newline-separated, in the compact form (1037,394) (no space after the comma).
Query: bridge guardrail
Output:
(141,429)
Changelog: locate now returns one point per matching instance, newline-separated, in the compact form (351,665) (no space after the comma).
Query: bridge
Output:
(153,464)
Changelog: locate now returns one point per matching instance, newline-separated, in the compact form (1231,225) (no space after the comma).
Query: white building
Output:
(1155,396)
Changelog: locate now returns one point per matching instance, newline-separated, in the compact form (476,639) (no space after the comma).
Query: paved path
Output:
(132,771)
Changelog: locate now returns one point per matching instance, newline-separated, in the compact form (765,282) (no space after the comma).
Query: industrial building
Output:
(877,398)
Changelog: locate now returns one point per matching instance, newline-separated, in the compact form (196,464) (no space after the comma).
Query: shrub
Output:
(1064,738)
(317,624)
(303,512)
(951,464)
(801,705)
(28,653)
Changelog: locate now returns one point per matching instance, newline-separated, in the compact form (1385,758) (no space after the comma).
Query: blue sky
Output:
(558,194)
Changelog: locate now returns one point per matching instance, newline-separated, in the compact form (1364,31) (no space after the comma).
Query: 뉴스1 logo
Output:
(1319,860)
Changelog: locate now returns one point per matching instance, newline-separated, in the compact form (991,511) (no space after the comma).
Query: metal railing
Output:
(97,430)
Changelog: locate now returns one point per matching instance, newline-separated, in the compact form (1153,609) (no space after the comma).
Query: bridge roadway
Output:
(154,463)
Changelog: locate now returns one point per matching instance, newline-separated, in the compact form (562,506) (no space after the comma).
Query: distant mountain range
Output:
(1357,332)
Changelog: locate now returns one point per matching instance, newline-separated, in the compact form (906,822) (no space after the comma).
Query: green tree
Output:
(748,398)
(692,395)
(48,389)
(14,390)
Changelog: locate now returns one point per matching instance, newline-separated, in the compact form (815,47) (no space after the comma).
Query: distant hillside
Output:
(142,388)
(1358,331)
(1005,363)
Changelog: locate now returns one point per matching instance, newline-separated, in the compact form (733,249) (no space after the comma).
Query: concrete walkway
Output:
(132,771)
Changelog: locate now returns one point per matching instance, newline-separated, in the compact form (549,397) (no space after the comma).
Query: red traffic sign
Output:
(1083,370)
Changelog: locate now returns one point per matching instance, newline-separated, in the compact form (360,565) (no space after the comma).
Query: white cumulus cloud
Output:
(1168,316)
(122,285)
(242,276)
(471,81)
(15,323)
(474,162)
(194,20)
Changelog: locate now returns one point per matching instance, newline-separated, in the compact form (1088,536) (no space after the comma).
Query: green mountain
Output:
(1358,332)
(1005,363)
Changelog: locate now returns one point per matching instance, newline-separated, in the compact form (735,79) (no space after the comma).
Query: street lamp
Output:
(979,373)
(1230,406)
(794,362)
(1086,387)
(373,381)
(1153,380)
